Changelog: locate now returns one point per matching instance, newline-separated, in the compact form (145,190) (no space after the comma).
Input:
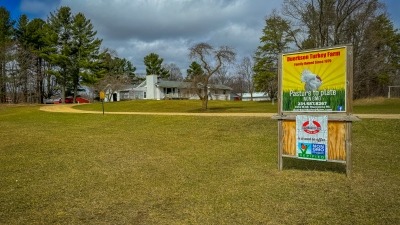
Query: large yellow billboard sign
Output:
(314,81)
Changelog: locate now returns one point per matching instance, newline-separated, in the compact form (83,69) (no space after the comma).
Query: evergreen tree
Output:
(84,50)
(60,41)
(6,35)
(194,71)
(23,55)
(30,38)
(114,73)
(276,39)
(75,48)
(153,64)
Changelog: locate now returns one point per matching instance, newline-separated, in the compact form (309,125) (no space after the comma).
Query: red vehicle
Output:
(78,100)
(69,99)
(81,100)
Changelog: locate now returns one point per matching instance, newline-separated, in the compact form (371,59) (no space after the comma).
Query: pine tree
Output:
(59,39)
(276,39)
(6,35)
(193,71)
(84,50)
(75,49)
(154,66)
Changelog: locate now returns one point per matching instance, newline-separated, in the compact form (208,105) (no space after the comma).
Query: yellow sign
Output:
(102,95)
(314,81)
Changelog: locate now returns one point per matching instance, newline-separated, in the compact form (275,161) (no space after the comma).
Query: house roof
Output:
(173,84)
(127,87)
(219,86)
(180,84)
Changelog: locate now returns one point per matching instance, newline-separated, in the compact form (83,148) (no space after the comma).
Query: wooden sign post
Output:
(315,86)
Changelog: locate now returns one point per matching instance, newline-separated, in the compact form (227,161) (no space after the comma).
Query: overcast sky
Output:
(136,28)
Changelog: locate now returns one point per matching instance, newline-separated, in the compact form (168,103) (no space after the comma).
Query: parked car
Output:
(78,100)
(69,99)
(81,100)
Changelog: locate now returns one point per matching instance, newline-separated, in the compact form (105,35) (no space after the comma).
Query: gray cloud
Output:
(136,28)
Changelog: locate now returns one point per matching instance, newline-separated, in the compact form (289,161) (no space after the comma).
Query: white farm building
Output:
(156,88)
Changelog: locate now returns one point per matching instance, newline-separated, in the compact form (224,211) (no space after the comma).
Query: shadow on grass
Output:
(301,164)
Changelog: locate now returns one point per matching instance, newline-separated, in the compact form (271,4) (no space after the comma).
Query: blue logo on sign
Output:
(318,149)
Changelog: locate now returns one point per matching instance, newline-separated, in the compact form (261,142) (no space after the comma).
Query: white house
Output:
(156,88)
(257,96)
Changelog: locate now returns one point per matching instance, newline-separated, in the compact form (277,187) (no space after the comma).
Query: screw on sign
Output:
(311,127)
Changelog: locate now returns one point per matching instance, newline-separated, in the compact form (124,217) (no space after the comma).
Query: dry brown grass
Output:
(369,101)
(67,168)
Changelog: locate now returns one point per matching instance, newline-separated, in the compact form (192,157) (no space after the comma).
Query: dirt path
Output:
(68,108)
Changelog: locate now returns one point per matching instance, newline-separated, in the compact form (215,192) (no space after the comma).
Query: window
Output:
(144,94)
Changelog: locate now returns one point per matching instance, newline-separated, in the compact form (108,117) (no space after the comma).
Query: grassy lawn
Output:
(60,168)
(188,106)
(376,105)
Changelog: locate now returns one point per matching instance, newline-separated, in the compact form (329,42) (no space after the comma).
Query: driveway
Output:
(68,108)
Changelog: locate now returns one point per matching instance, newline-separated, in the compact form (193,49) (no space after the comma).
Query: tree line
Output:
(40,59)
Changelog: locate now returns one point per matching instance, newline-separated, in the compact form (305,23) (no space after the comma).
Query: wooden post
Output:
(348,148)
(349,105)
(349,81)
(280,122)
(280,145)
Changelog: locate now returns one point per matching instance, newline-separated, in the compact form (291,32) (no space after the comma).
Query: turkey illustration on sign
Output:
(311,80)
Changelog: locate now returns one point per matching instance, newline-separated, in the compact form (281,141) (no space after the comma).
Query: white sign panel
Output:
(312,137)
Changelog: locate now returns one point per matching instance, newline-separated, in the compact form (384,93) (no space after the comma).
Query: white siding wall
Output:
(152,91)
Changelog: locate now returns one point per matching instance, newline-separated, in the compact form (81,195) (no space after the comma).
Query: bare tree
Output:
(211,60)
(363,23)
(174,72)
(237,84)
(222,76)
(245,71)
(327,22)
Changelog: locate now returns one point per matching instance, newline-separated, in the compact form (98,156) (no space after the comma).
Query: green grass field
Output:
(61,168)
